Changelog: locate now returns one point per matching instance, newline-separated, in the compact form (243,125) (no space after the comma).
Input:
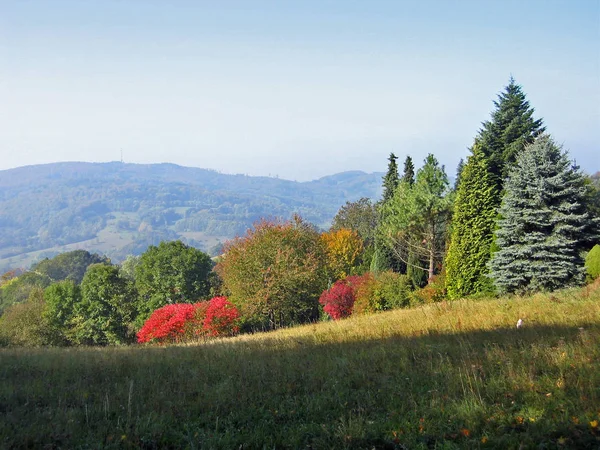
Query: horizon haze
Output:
(297,91)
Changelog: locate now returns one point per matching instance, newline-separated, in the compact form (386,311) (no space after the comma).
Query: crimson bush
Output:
(221,318)
(171,323)
(179,322)
(338,301)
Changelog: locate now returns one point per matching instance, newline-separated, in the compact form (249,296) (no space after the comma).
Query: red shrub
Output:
(339,300)
(171,323)
(220,318)
(184,321)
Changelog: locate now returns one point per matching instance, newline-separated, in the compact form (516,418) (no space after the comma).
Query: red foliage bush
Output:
(338,301)
(221,318)
(171,323)
(183,321)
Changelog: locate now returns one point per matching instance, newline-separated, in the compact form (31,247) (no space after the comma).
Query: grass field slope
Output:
(443,376)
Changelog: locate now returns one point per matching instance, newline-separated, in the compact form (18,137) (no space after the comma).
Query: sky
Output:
(293,89)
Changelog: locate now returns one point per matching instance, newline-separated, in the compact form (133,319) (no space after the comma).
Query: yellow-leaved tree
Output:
(343,248)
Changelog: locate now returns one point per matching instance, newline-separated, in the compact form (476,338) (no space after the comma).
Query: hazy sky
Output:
(298,89)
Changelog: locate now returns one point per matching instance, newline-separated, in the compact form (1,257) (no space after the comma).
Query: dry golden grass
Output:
(446,375)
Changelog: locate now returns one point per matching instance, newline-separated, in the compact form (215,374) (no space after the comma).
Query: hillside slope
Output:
(118,208)
(446,375)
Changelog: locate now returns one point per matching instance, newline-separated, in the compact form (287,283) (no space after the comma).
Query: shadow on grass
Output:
(502,388)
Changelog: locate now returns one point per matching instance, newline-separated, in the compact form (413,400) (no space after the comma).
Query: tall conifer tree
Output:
(544,224)
(383,257)
(391,178)
(409,171)
(500,140)
(472,228)
(511,128)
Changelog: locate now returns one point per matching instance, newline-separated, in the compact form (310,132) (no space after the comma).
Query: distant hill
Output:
(119,209)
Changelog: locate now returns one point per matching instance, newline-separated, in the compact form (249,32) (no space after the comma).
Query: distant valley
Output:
(118,209)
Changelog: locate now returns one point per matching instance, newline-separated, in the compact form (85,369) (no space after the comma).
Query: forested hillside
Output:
(119,209)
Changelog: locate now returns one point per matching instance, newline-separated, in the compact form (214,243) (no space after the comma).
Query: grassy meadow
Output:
(444,376)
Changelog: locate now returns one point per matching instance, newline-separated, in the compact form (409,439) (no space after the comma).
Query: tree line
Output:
(520,218)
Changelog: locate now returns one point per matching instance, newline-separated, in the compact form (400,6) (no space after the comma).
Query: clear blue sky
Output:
(298,89)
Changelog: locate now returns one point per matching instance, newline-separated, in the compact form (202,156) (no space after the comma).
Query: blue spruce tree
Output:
(544,225)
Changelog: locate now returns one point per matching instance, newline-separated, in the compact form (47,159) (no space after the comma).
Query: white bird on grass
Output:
(519,323)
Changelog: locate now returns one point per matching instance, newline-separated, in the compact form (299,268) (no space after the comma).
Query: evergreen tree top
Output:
(409,171)
(510,129)
(391,178)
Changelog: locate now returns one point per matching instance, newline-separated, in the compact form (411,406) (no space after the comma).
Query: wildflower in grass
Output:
(594,424)
(465,432)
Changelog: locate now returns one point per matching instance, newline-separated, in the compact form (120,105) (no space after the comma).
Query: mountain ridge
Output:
(119,208)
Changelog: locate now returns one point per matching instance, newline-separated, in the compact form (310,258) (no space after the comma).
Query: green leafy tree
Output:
(68,265)
(19,288)
(171,272)
(128,266)
(22,324)
(473,225)
(362,217)
(107,307)
(415,219)
(63,300)
(359,216)
(544,226)
(276,273)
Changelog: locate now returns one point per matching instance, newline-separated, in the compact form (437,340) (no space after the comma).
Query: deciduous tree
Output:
(343,248)
(275,273)
(171,272)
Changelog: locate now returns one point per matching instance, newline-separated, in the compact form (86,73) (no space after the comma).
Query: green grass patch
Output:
(447,375)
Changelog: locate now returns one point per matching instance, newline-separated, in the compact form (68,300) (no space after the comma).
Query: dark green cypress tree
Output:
(391,178)
(472,227)
(544,225)
(501,139)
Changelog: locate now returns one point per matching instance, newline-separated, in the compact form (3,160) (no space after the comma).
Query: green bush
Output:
(592,263)
(394,289)
(22,324)
(386,290)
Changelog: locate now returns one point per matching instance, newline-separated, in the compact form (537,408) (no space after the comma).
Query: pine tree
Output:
(472,228)
(409,171)
(501,139)
(459,171)
(415,219)
(544,225)
(391,178)
(383,256)
(512,128)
